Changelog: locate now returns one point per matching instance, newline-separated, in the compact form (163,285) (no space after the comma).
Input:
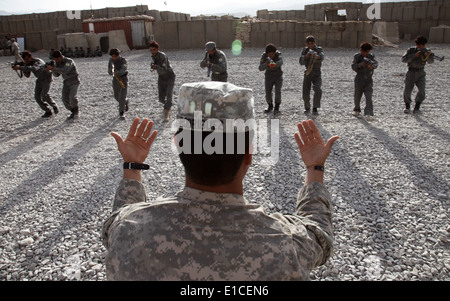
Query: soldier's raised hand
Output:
(136,146)
(313,150)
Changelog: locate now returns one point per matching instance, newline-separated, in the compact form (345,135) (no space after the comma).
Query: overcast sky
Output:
(193,7)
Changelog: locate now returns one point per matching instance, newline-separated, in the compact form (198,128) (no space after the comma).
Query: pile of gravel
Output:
(389,178)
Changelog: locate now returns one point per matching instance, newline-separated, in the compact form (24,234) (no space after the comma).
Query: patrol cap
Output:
(216,100)
(210,46)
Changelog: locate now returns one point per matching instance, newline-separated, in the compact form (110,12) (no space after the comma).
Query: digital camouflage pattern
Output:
(199,235)
(215,100)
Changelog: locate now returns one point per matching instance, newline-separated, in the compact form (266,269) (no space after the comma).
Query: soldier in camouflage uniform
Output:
(216,62)
(66,67)
(166,77)
(312,57)
(209,231)
(416,58)
(118,68)
(271,61)
(43,82)
(364,64)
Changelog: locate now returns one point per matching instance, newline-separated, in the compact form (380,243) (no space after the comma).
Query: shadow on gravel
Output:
(343,164)
(24,129)
(421,174)
(433,129)
(31,143)
(53,169)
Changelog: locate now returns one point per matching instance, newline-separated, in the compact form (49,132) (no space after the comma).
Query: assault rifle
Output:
(19,72)
(369,61)
(427,54)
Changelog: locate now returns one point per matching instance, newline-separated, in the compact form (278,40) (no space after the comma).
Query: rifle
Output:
(311,63)
(208,60)
(20,74)
(118,77)
(427,54)
(369,61)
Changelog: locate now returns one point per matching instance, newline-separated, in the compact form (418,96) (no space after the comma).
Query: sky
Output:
(193,7)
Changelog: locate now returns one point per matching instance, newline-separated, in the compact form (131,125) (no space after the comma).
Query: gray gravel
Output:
(389,178)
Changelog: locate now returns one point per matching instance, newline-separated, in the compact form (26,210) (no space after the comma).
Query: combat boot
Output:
(417,109)
(276,111)
(269,109)
(166,115)
(47,114)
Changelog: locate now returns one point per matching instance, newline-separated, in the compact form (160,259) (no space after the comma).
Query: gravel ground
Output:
(389,178)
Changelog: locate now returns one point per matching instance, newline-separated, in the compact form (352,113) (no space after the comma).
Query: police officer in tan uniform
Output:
(209,231)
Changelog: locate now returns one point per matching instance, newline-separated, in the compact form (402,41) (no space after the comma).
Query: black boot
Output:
(56,110)
(74,115)
(269,109)
(417,108)
(47,114)
(277,110)
(407,108)
(315,112)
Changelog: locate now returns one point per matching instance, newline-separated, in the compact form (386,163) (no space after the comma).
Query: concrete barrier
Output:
(117,39)
(387,30)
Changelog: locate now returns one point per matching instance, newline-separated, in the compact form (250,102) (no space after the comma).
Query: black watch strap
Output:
(132,165)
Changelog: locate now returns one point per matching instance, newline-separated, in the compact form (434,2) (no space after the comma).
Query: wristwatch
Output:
(132,165)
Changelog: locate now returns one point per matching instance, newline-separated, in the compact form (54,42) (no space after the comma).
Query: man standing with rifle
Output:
(271,62)
(43,81)
(166,77)
(312,57)
(216,61)
(416,58)
(118,68)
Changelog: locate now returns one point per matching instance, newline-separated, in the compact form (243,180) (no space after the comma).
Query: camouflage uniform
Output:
(314,78)
(121,70)
(219,65)
(201,235)
(363,82)
(415,75)
(68,70)
(272,77)
(43,82)
(166,79)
